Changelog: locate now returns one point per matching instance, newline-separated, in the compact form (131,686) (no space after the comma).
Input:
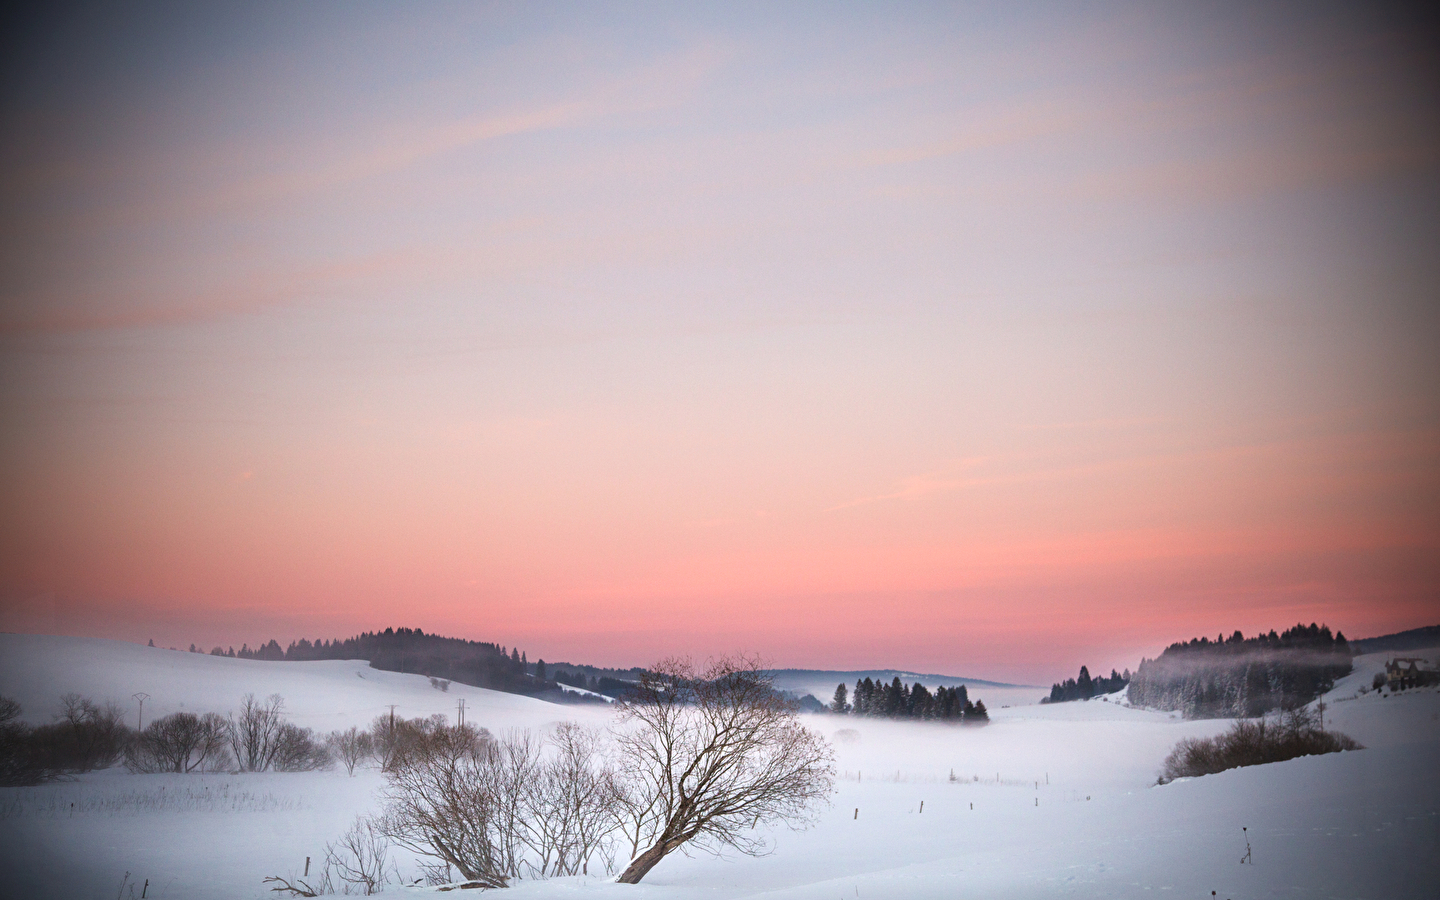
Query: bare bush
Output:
(181,742)
(20,764)
(710,755)
(351,747)
(575,804)
(297,750)
(360,858)
(1253,742)
(442,802)
(391,737)
(86,737)
(262,740)
(495,810)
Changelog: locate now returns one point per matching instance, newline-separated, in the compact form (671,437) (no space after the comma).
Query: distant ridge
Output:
(849,676)
(1414,639)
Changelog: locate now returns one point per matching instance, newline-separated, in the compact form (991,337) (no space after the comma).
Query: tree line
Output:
(87,736)
(476,663)
(1085,687)
(410,650)
(897,701)
(1242,677)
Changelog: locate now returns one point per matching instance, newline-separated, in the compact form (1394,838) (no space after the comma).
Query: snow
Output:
(1353,825)
(571,689)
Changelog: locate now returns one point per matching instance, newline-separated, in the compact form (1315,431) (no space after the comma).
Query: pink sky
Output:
(949,340)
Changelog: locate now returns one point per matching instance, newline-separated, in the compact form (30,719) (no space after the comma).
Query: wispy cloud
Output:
(937,482)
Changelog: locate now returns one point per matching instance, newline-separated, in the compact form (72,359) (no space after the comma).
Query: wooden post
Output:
(857,813)
(922,806)
(307,867)
(143,889)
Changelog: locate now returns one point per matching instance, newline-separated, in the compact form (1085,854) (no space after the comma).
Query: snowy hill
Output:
(1359,824)
(37,670)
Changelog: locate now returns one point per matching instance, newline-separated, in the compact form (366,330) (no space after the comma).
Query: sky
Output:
(988,340)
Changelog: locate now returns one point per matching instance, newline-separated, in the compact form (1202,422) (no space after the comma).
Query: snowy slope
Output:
(1361,824)
(37,670)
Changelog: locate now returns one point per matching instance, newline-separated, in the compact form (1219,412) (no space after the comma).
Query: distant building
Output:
(1409,671)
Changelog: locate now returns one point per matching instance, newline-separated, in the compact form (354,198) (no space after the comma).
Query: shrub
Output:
(360,859)
(19,763)
(261,739)
(181,742)
(391,737)
(350,747)
(501,809)
(1253,742)
(296,750)
(87,737)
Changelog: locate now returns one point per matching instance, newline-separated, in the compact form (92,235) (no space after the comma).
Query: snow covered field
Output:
(1348,825)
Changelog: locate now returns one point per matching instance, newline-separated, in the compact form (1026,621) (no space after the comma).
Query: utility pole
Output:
(392,717)
(139,716)
(461,708)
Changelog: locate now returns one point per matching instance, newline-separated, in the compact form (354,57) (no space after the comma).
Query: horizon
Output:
(192,647)
(1000,341)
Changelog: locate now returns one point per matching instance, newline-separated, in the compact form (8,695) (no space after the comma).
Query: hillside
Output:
(1055,800)
(1400,641)
(329,694)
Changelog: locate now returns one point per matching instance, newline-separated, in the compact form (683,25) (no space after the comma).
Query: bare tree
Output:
(180,742)
(350,747)
(709,756)
(254,731)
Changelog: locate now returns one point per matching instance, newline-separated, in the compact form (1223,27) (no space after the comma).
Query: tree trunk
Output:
(644,863)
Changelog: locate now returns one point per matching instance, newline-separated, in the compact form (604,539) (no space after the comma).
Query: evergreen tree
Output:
(975,713)
(839,704)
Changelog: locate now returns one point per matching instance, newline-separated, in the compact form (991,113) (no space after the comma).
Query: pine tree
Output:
(839,704)
(540,669)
